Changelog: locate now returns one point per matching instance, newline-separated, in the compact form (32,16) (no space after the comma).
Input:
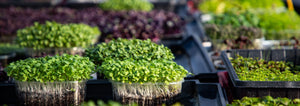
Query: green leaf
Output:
(39,36)
(51,68)
(156,71)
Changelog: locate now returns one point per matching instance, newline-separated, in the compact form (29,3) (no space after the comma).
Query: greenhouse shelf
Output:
(240,89)
(193,93)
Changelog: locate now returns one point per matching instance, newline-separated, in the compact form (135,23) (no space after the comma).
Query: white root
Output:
(51,93)
(146,91)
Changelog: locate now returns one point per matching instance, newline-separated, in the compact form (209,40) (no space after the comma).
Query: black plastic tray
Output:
(192,56)
(193,93)
(8,93)
(290,89)
(211,94)
(275,55)
(102,90)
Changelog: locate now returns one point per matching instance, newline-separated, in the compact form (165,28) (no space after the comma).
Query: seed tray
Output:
(290,89)
(193,93)
(211,94)
(8,93)
(96,89)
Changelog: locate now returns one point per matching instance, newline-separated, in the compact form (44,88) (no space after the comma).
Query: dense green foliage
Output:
(55,35)
(279,21)
(221,6)
(142,71)
(268,4)
(56,68)
(136,61)
(276,25)
(224,32)
(232,25)
(236,19)
(6,48)
(269,15)
(249,69)
(122,49)
(265,101)
(140,5)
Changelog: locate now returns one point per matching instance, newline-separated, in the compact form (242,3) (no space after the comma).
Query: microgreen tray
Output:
(240,89)
(288,55)
(193,93)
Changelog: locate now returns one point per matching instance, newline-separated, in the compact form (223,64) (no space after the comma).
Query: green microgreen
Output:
(49,69)
(142,71)
(249,69)
(55,35)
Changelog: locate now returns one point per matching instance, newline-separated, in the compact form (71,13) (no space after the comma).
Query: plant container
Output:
(290,89)
(192,93)
(147,93)
(211,94)
(51,93)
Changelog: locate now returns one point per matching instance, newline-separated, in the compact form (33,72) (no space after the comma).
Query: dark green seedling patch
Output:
(249,69)
(122,49)
(142,71)
(139,5)
(55,35)
(50,69)
(265,101)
